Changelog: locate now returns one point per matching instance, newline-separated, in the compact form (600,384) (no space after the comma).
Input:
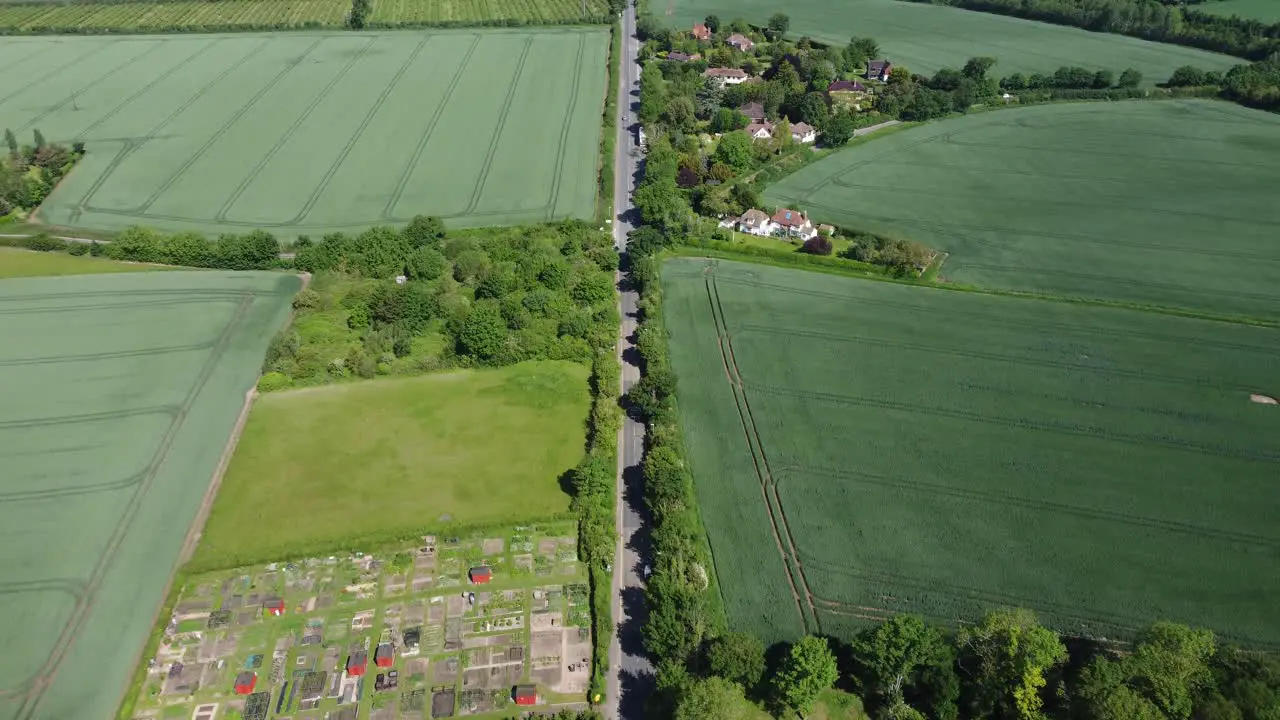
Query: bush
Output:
(44,243)
(820,245)
(306,300)
(273,381)
(78,248)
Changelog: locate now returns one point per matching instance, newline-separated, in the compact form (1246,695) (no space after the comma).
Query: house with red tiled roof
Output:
(701,31)
(794,223)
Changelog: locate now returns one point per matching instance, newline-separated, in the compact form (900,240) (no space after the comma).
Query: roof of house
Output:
(683,57)
(740,39)
(878,66)
(756,127)
(701,31)
(383,650)
(358,658)
(755,217)
(247,677)
(801,129)
(787,217)
(725,72)
(845,86)
(753,110)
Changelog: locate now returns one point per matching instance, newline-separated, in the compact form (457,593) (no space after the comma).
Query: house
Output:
(701,32)
(729,222)
(357,662)
(384,656)
(879,70)
(794,223)
(753,111)
(480,575)
(740,41)
(273,606)
(726,76)
(245,682)
(804,133)
(756,222)
(525,694)
(846,86)
(760,130)
(683,57)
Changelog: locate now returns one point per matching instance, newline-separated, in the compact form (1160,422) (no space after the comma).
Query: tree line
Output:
(1162,21)
(28,173)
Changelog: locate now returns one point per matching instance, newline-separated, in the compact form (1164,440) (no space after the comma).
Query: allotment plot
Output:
(926,38)
(304,133)
(120,392)
(938,452)
(1165,203)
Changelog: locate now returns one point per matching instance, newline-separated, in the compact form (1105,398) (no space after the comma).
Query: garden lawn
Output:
(925,38)
(350,465)
(311,132)
(944,453)
(1163,203)
(120,392)
(15,262)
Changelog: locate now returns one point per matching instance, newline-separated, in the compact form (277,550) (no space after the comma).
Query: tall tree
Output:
(1168,670)
(1005,658)
(712,22)
(712,698)
(779,23)
(359,14)
(11,141)
(890,655)
(738,657)
(806,672)
(39,138)
(1130,78)
(735,150)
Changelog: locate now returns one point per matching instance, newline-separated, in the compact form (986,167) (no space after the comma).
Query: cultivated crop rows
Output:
(196,15)
(943,453)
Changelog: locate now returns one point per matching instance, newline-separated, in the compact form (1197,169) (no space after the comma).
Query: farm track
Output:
(567,124)
(503,114)
(101,78)
(34,687)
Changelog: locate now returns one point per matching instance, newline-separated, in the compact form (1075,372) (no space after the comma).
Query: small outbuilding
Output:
(412,637)
(525,694)
(384,656)
(480,575)
(357,662)
(273,606)
(246,682)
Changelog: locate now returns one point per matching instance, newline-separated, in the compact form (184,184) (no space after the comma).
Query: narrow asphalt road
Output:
(630,672)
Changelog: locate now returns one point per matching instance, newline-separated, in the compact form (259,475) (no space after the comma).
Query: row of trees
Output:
(1256,85)
(1160,20)
(28,173)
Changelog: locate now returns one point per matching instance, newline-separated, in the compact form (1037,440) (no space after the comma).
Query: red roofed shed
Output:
(357,662)
(480,574)
(384,656)
(274,606)
(526,694)
(245,682)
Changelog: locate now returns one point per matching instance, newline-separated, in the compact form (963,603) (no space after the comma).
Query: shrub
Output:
(44,243)
(78,248)
(820,245)
(273,381)
(307,299)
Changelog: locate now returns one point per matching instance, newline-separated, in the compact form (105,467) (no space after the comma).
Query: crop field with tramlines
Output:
(1165,203)
(196,15)
(307,133)
(925,38)
(120,394)
(863,448)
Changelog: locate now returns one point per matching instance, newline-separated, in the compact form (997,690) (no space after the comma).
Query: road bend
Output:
(630,672)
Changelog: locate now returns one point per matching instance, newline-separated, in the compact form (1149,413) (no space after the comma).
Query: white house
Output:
(804,133)
(794,223)
(760,130)
(741,42)
(726,76)
(756,222)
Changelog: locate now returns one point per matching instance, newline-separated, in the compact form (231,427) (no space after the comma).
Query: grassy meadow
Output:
(17,262)
(196,15)
(307,133)
(120,392)
(353,464)
(1164,203)
(925,38)
(943,452)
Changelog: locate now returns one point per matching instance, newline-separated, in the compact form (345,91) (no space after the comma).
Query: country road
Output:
(630,672)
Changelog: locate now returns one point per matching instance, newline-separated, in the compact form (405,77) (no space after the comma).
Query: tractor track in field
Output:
(33,689)
(768,485)
(101,78)
(500,130)
(566,124)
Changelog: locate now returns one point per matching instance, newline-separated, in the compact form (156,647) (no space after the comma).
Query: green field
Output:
(925,38)
(1151,202)
(1268,11)
(16,263)
(943,452)
(119,394)
(197,15)
(306,133)
(322,468)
